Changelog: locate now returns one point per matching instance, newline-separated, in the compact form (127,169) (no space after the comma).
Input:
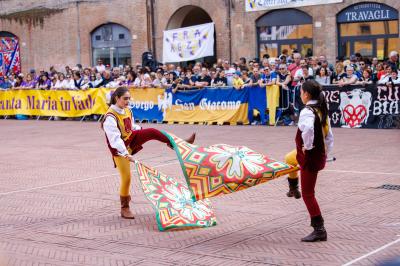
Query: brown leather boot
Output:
(125,211)
(294,188)
(191,139)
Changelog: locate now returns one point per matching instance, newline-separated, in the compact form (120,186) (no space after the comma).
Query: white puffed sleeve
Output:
(114,136)
(306,126)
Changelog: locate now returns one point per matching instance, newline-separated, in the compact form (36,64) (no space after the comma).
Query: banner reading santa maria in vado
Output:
(189,43)
(53,102)
(258,5)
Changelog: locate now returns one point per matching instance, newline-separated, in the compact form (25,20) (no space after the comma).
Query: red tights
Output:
(308,180)
(140,137)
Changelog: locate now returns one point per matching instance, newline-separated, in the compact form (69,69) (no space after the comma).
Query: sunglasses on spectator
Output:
(265,69)
(282,69)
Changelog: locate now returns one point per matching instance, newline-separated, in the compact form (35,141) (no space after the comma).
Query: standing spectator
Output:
(237,81)
(393,61)
(242,64)
(350,77)
(204,79)
(374,65)
(229,71)
(293,68)
(116,72)
(366,78)
(255,77)
(305,75)
(268,78)
(221,79)
(283,78)
(246,79)
(299,73)
(339,73)
(100,67)
(322,76)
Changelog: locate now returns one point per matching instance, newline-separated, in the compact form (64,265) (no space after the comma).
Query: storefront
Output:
(371,29)
(289,29)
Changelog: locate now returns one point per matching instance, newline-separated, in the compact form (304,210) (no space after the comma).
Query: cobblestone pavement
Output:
(59,202)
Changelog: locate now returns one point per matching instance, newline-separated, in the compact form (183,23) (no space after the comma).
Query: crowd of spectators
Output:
(286,71)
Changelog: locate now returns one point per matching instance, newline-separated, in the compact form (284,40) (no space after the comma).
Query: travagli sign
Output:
(367,12)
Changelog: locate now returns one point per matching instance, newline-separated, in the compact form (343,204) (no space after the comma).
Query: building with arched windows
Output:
(67,32)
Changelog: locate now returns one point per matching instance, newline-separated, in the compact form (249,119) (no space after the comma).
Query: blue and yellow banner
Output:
(207,105)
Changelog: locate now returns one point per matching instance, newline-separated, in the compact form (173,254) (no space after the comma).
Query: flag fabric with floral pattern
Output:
(173,202)
(221,169)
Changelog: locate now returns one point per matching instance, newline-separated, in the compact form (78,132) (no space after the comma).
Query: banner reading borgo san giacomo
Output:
(371,106)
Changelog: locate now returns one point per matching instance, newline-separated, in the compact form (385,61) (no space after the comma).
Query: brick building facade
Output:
(60,32)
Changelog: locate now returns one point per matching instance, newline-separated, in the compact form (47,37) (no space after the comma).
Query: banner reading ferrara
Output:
(258,5)
(189,43)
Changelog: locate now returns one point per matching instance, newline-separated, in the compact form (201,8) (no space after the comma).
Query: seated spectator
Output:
(54,79)
(366,78)
(394,79)
(86,84)
(267,78)
(18,81)
(160,81)
(78,79)
(130,78)
(44,82)
(350,77)
(106,78)
(237,82)
(29,82)
(61,82)
(221,79)
(5,84)
(384,77)
(70,83)
(339,73)
(283,78)
(322,76)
